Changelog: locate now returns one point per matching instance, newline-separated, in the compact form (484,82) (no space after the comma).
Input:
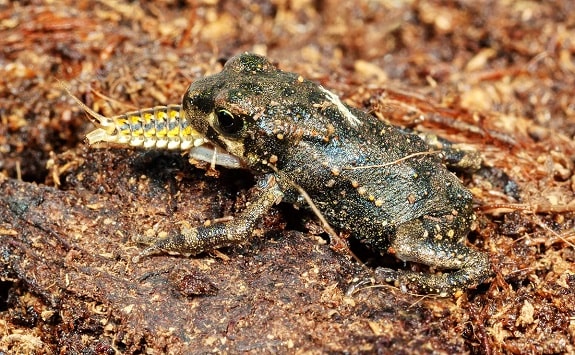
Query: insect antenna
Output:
(106,124)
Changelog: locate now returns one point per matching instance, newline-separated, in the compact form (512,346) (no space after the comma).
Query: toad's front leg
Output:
(199,239)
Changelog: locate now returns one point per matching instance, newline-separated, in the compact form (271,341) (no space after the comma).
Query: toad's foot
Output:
(473,272)
(442,285)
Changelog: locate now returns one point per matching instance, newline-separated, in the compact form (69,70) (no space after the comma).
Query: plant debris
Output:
(498,78)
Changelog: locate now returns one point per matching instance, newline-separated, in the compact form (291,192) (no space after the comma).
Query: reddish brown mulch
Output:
(498,76)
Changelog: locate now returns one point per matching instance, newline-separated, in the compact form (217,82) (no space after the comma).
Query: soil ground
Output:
(498,76)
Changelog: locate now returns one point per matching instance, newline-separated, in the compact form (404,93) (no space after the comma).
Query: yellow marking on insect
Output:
(161,124)
(148,125)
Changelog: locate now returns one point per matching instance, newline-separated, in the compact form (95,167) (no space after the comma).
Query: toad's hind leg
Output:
(456,156)
(199,239)
(464,266)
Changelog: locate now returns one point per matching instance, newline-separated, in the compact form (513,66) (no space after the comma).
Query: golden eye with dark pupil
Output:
(228,123)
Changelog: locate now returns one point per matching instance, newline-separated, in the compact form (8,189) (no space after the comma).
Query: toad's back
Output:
(370,177)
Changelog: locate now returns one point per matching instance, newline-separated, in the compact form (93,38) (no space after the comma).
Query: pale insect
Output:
(159,127)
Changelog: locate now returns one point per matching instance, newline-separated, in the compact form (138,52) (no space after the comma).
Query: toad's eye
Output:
(228,122)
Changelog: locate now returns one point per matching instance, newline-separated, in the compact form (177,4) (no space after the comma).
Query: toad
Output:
(379,183)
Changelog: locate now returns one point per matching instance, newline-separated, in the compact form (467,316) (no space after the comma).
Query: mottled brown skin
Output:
(366,177)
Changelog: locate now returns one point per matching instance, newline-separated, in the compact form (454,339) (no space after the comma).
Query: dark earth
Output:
(497,77)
